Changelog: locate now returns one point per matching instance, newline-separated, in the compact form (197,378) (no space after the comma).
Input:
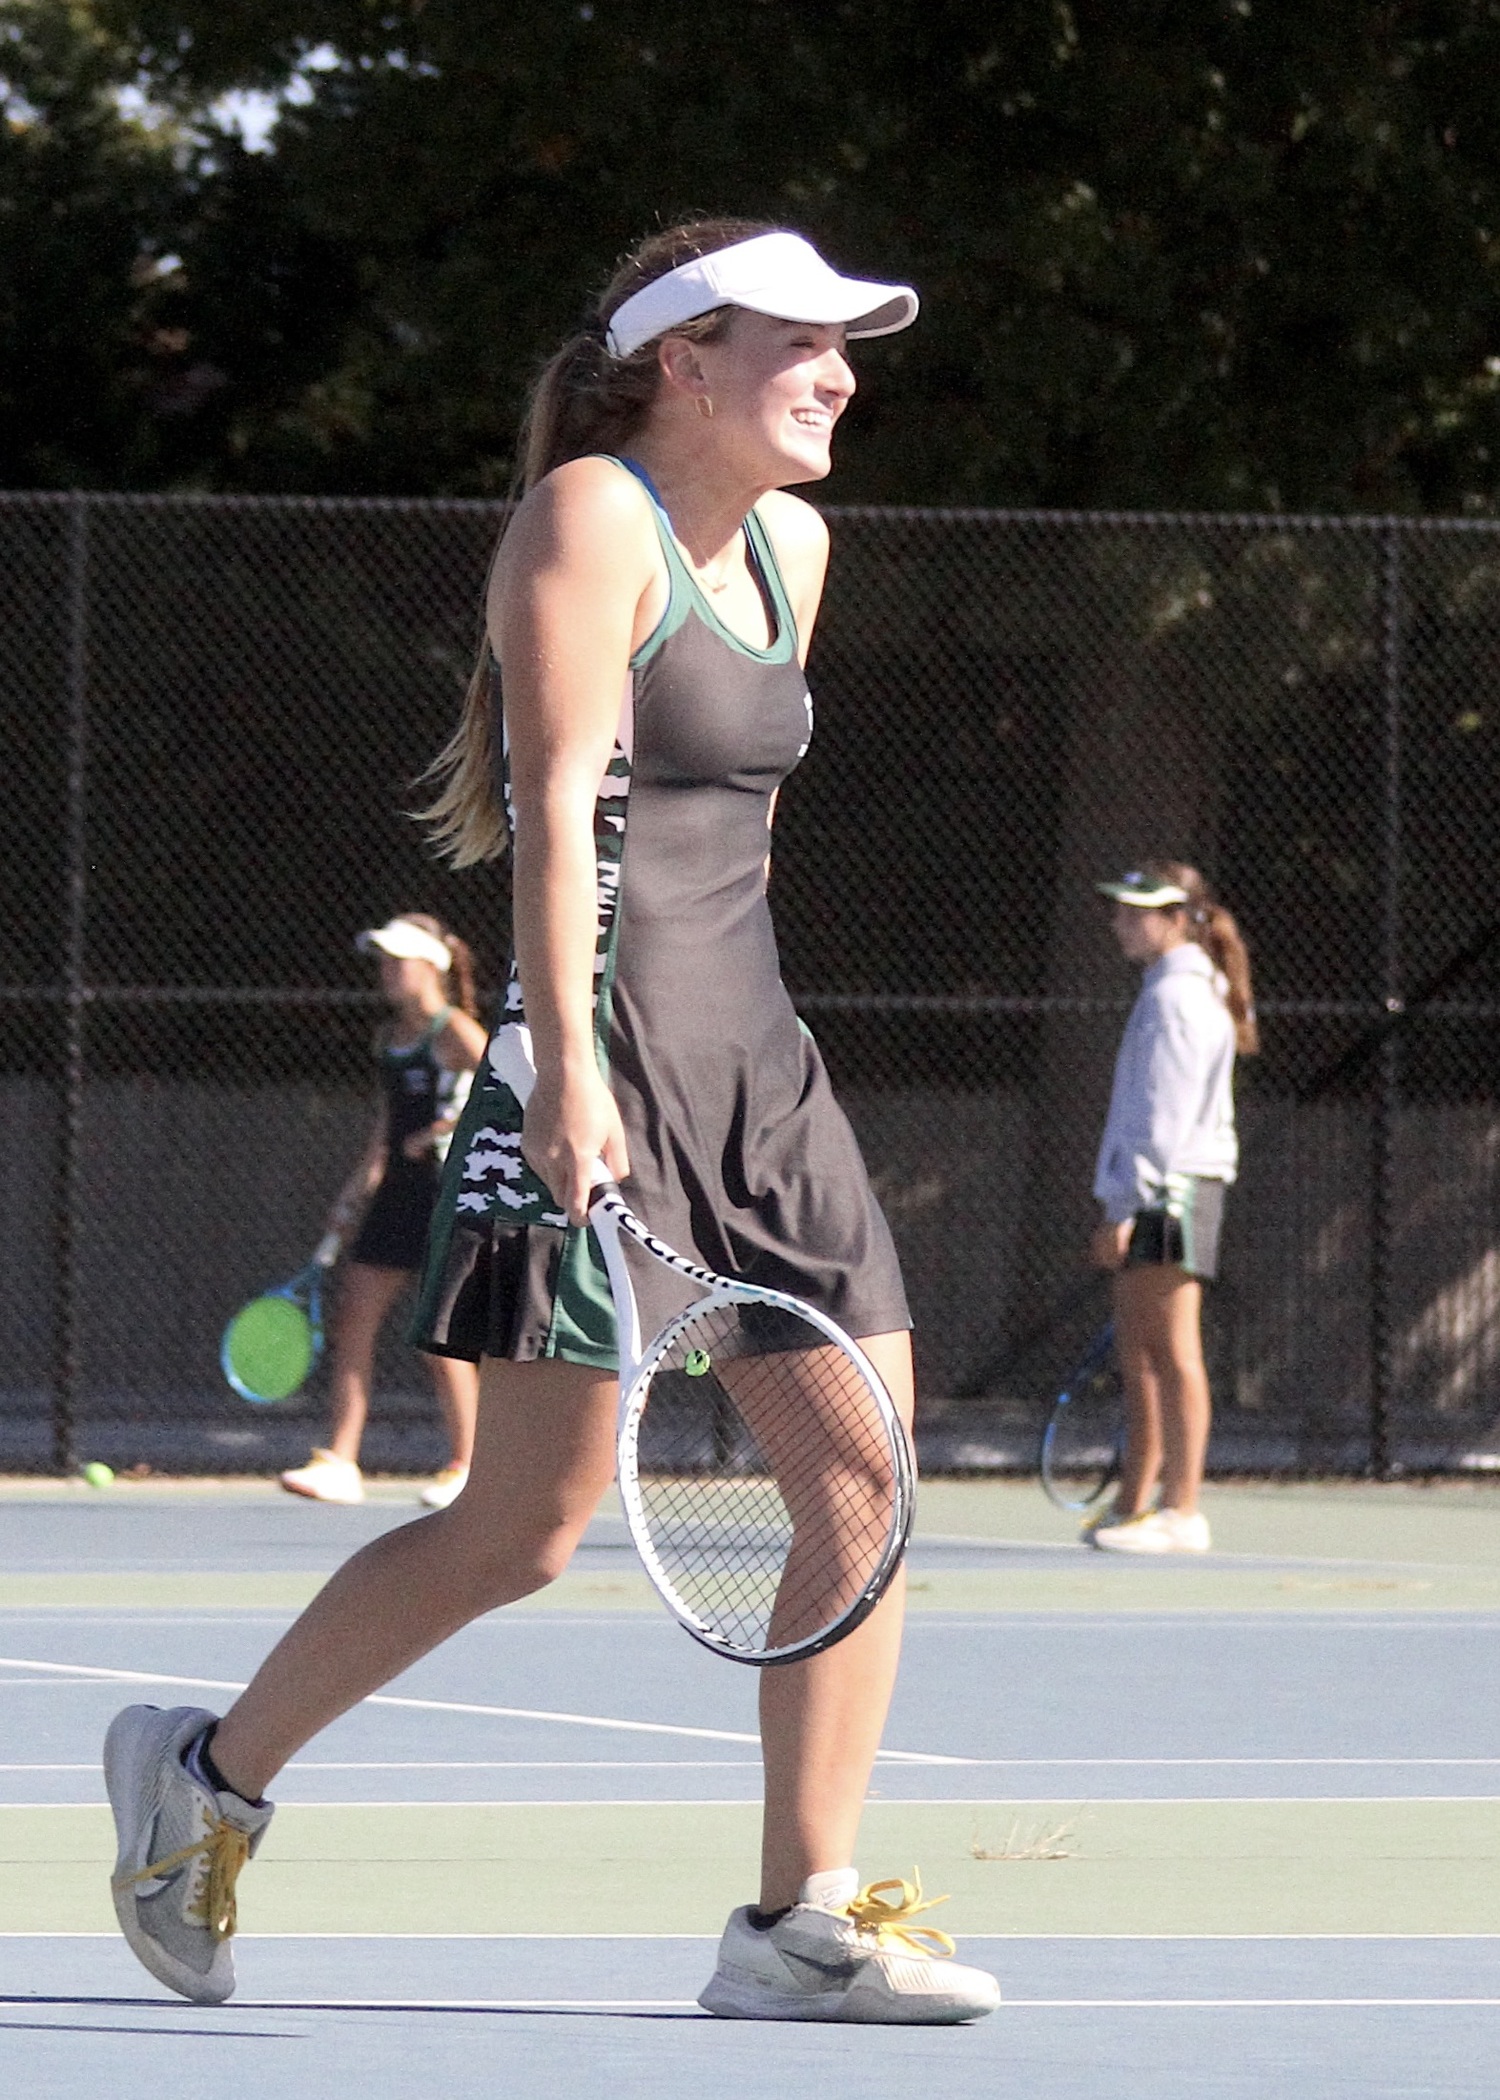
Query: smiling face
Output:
(777,390)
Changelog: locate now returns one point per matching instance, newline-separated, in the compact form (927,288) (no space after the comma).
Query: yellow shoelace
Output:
(227,1848)
(872,1911)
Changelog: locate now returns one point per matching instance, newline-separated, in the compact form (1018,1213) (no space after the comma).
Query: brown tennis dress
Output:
(738,1151)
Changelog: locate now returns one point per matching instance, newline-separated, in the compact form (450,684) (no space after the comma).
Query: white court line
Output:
(1233,2004)
(449,2005)
(82,1672)
(371,2005)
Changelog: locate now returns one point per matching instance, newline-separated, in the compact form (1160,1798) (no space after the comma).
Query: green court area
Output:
(1310,1546)
(1231,1815)
(1192,1868)
(1270,1778)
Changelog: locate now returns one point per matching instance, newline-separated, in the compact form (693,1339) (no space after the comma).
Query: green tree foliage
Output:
(1230,254)
(84,196)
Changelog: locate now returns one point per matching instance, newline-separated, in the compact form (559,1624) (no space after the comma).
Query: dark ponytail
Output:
(584,400)
(1215,931)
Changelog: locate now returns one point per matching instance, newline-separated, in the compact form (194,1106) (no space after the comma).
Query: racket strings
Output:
(767,1476)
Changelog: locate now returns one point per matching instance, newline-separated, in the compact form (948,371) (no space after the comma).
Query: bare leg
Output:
(457,1387)
(821,1720)
(1187,1408)
(1158,1314)
(366,1295)
(1134,1347)
(543,1457)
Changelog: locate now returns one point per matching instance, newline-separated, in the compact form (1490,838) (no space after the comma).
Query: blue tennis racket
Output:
(272,1345)
(1083,1441)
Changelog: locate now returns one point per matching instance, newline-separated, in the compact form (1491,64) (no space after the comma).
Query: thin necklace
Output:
(700,571)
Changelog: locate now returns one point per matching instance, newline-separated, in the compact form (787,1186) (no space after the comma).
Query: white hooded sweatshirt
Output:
(1171,1109)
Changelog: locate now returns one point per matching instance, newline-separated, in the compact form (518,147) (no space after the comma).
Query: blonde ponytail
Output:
(465,820)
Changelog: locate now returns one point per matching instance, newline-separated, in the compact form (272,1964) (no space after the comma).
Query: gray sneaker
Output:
(842,1953)
(181,1850)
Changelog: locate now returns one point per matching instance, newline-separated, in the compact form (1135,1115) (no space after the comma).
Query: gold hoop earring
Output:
(705,406)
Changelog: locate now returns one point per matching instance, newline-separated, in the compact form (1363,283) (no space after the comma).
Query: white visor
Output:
(775,273)
(400,937)
(1140,890)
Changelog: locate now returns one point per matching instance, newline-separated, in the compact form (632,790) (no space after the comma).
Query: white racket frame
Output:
(610,1216)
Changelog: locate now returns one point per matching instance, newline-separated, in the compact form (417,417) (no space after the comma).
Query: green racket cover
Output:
(268,1349)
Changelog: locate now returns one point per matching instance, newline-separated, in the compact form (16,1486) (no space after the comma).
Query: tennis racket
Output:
(1084,1437)
(271,1345)
(767,1479)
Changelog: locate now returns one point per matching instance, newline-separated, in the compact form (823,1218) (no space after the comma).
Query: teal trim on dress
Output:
(763,548)
(685,594)
(582,1329)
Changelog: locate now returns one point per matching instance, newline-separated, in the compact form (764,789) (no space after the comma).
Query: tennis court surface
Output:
(1223,1828)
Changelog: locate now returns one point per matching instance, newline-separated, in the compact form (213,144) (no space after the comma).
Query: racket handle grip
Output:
(328,1250)
(601,1182)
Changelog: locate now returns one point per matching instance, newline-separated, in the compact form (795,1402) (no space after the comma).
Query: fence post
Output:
(1386,1106)
(66,1364)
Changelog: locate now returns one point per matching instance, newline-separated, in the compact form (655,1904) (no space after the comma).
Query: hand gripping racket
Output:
(271,1345)
(767,1479)
(1084,1437)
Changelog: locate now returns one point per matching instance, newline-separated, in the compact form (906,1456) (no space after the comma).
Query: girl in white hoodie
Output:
(1169,1152)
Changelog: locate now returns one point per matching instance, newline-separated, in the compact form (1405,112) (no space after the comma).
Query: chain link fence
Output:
(217,708)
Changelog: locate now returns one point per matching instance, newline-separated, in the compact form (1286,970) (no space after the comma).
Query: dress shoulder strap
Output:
(763,549)
(663,522)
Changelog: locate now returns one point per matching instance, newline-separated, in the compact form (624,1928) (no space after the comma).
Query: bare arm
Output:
(363,1181)
(460,1043)
(572,592)
(458,1047)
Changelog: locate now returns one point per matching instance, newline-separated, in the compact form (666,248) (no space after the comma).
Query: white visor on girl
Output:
(400,937)
(774,273)
(1141,890)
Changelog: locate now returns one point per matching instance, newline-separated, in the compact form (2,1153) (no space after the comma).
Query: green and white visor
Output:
(1143,890)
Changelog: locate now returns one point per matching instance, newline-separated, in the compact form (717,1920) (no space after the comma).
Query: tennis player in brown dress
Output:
(641,701)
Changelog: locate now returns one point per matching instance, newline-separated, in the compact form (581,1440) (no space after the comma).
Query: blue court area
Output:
(1222,1828)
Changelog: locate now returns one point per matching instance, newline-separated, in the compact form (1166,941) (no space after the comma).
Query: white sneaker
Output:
(326,1478)
(1155,1531)
(445,1487)
(843,1953)
(181,1850)
(1483,1455)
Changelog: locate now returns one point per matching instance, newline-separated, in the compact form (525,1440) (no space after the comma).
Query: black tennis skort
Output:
(1183,1232)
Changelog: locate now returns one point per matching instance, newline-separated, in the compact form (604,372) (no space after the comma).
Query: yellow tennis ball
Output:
(695,1363)
(98,1474)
